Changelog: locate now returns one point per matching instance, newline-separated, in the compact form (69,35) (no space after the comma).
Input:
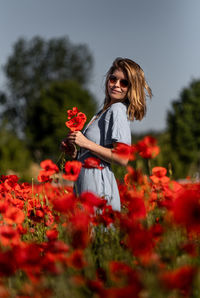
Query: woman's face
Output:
(117,86)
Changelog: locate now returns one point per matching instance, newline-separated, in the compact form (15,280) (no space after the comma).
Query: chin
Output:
(116,97)
(116,100)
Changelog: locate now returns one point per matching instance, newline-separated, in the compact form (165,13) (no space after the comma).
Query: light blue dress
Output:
(110,127)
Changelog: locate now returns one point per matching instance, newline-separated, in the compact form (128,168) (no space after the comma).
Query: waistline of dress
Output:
(83,156)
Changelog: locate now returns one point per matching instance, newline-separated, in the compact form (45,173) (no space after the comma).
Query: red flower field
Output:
(55,244)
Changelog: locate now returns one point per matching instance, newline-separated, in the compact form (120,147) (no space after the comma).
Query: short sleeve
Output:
(117,125)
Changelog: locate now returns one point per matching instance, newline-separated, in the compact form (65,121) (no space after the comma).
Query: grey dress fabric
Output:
(110,127)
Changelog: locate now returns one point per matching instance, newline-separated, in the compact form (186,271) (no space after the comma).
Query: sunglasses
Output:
(123,82)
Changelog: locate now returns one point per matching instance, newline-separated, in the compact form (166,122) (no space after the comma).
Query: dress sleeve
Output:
(117,125)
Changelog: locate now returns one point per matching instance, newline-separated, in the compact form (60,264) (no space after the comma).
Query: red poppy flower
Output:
(157,231)
(136,206)
(139,239)
(14,215)
(9,235)
(107,216)
(44,177)
(76,260)
(91,200)
(159,172)
(2,178)
(78,120)
(159,175)
(180,279)
(25,189)
(65,203)
(80,230)
(128,291)
(127,278)
(97,287)
(186,209)
(56,248)
(7,264)
(29,259)
(134,177)
(190,248)
(92,162)
(121,271)
(4,205)
(52,235)
(49,167)
(72,170)
(72,112)
(11,182)
(124,151)
(147,147)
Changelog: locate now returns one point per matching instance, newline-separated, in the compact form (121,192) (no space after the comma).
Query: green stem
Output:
(170,170)
(149,166)
(32,187)
(76,189)
(62,154)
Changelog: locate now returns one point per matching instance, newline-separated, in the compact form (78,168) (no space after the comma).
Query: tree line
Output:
(44,78)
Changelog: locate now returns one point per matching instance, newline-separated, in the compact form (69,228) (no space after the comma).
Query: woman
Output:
(125,100)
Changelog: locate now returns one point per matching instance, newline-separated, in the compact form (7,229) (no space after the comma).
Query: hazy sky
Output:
(163,36)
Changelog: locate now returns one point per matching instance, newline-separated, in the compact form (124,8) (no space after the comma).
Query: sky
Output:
(162,36)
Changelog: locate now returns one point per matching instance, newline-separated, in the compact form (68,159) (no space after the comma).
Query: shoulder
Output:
(117,112)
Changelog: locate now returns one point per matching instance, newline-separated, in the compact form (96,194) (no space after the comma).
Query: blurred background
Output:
(55,54)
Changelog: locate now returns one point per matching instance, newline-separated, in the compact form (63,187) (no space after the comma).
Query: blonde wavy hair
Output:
(138,88)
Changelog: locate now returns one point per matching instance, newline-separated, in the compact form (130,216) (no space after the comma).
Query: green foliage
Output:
(33,65)
(44,78)
(13,154)
(167,157)
(184,129)
(46,116)
(180,143)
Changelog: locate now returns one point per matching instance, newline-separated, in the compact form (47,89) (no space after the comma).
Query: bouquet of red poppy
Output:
(76,120)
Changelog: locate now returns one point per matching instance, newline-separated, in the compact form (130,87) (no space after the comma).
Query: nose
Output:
(117,83)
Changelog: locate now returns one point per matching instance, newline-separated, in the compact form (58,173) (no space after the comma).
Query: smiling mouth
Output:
(115,91)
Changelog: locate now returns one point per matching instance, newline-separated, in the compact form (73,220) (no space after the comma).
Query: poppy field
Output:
(56,244)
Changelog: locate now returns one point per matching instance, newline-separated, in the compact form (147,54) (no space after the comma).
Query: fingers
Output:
(72,137)
(69,149)
(69,139)
(66,145)
(73,146)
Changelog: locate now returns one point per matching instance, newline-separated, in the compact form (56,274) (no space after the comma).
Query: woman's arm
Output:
(103,153)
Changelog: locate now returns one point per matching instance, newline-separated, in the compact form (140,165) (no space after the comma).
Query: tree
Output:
(33,65)
(46,116)
(184,128)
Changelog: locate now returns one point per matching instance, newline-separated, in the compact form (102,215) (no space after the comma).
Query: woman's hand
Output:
(76,137)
